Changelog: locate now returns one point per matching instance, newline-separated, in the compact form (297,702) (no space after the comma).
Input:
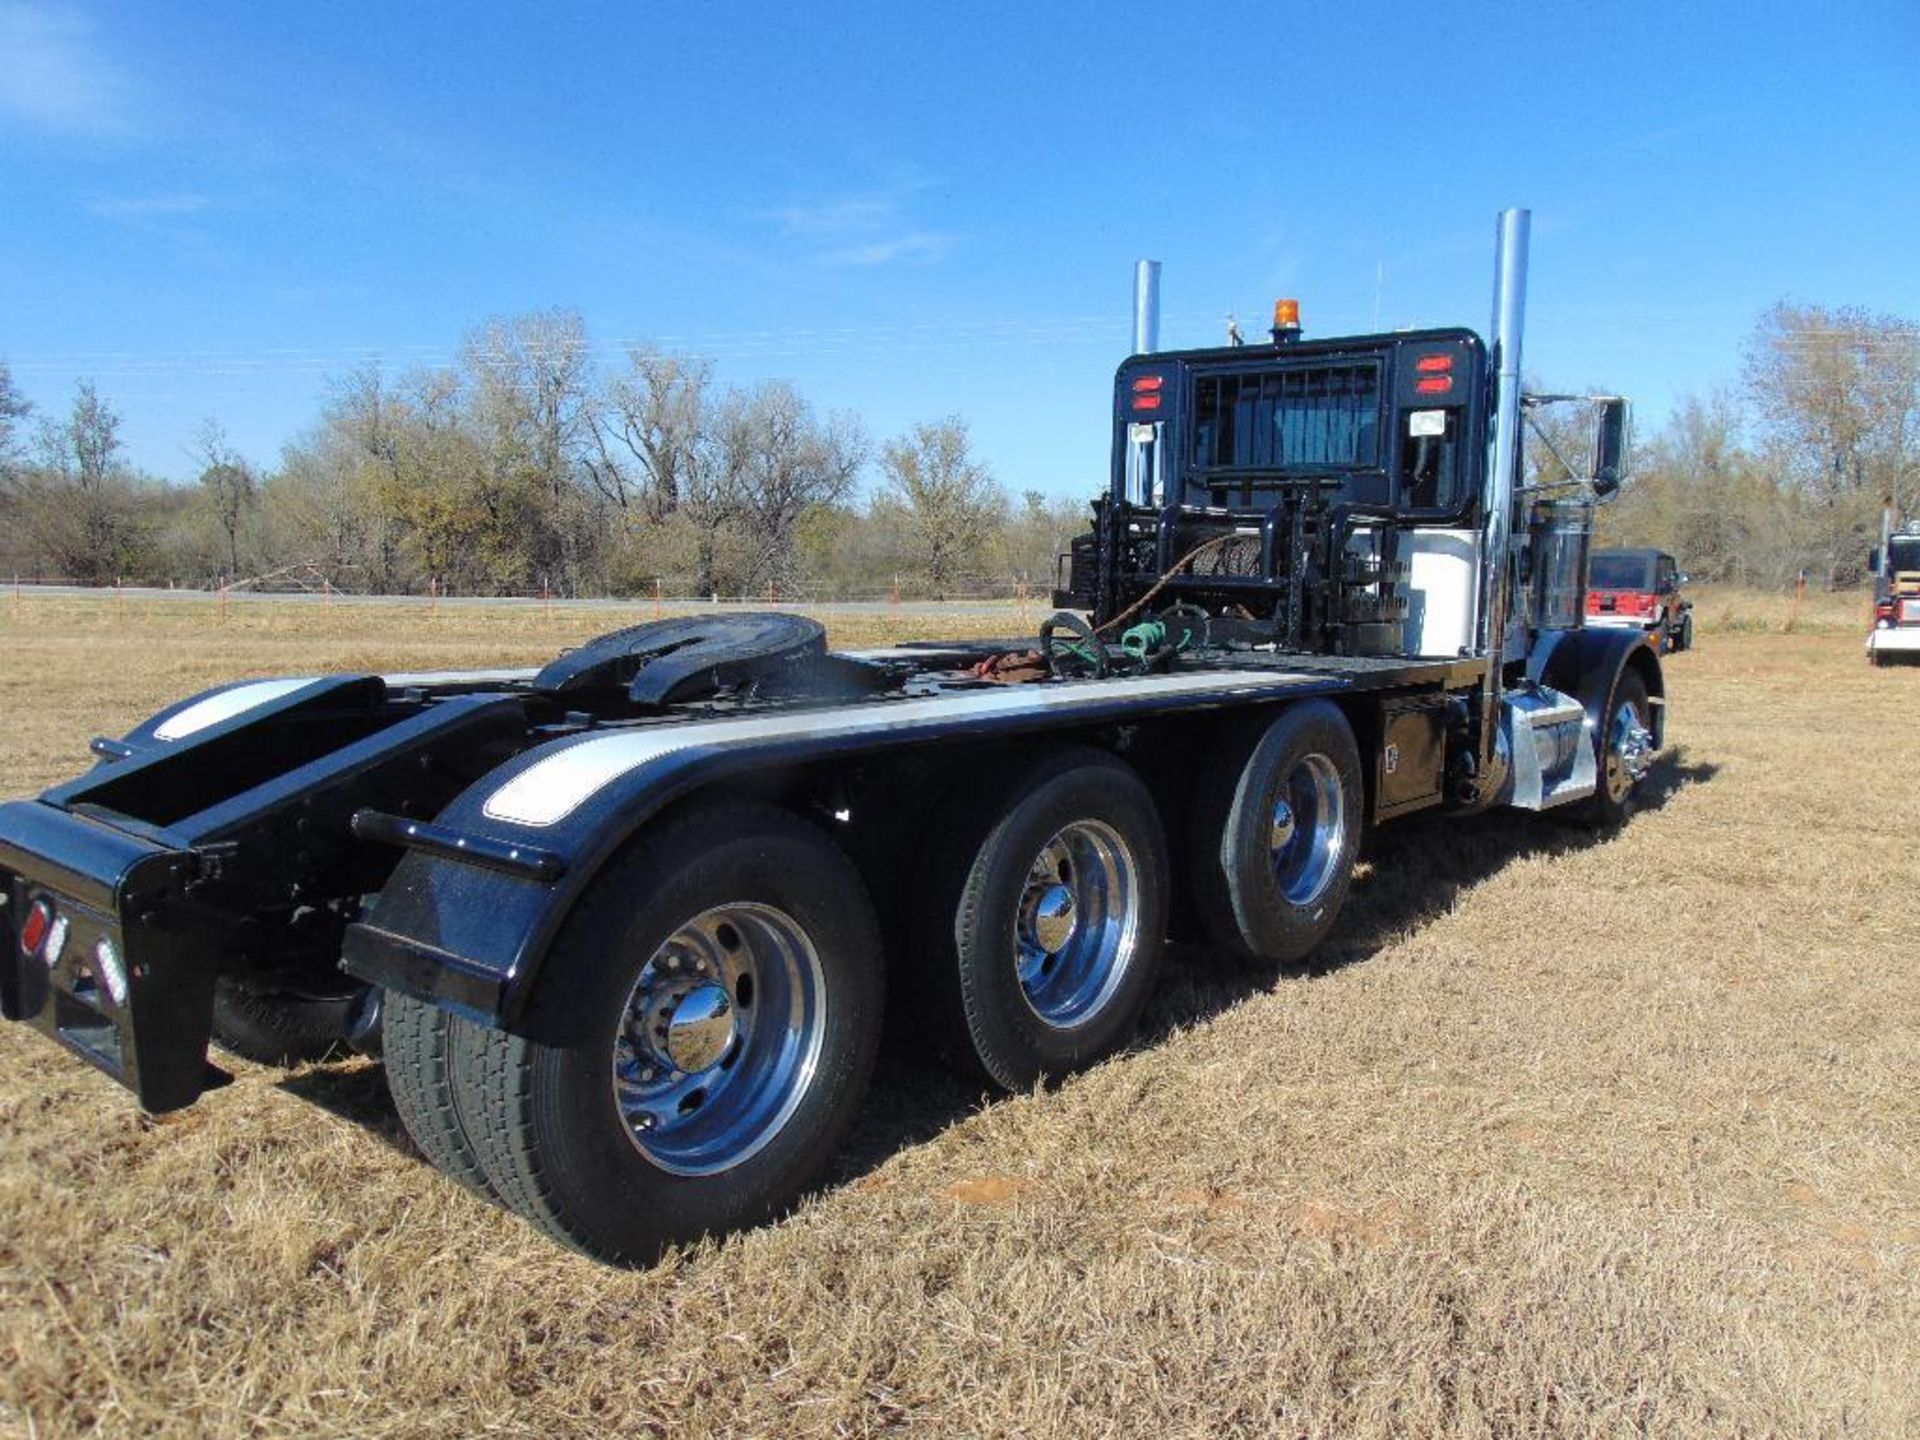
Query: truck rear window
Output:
(1310,417)
(1621,572)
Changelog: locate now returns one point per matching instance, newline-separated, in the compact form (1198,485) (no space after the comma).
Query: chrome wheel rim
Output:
(1077,928)
(1629,750)
(719,1039)
(1308,830)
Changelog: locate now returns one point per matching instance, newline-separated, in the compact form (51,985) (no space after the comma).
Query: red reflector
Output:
(1433,364)
(1144,383)
(1433,385)
(33,929)
(1146,402)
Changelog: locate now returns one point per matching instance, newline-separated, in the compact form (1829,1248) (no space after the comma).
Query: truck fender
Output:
(1587,663)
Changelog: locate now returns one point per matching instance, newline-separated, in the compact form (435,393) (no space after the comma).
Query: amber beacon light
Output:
(1286,321)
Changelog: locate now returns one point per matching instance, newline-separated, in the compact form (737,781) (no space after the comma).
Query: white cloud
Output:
(138,208)
(920,245)
(863,228)
(53,74)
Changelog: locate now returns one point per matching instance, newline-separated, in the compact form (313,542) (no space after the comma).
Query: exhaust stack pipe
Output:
(1509,320)
(1146,307)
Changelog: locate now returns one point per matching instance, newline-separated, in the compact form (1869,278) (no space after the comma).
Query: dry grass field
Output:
(1562,1135)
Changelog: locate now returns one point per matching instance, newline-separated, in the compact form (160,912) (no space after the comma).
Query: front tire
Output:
(699,1041)
(1626,750)
(1275,828)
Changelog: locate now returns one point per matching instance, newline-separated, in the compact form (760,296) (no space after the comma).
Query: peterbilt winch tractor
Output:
(623,928)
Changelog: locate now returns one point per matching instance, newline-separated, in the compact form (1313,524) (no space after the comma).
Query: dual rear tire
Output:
(1275,828)
(1038,919)
(689,1062)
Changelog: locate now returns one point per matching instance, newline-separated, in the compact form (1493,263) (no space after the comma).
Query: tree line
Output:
(523,467)
(1785,473)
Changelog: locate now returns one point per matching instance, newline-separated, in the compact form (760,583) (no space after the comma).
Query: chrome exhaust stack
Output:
(1146,307)
(1509,320)
(1496,553)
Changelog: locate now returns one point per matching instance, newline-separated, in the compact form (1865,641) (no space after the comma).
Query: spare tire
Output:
(280,1028)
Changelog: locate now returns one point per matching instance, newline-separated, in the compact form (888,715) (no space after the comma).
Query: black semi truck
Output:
(623,928)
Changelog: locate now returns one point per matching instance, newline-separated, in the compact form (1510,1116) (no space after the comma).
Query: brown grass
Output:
(1560,1136)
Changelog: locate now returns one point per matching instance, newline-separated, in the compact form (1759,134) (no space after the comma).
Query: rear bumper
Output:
(1901,638)
(1623,622)
(123,977)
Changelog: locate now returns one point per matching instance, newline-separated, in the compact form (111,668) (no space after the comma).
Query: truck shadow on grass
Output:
(1413,871)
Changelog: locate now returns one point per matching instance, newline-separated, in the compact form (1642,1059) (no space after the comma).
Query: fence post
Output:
(893,595)
(656,597)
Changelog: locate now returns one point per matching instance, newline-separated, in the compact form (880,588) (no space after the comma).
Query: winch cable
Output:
(1148,649)
(1173,570)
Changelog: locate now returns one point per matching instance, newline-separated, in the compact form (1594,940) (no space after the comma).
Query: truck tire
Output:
(1274,830)
(1621,751)
(697,1044)
(280,1029)
(1040,917)
(1686,632)
(420,1044)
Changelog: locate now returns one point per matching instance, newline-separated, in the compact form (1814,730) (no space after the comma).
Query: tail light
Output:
(33,930)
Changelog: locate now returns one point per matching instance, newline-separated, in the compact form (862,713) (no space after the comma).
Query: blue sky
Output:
(915,210)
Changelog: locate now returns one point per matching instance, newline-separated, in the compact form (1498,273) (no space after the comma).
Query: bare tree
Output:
(953,507)
(14,408)
(649,429)
(229,485)
(781,460)
(1837,395)
(78,502)
(531,377)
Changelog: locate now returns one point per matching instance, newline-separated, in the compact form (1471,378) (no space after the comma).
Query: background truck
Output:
(1641,590)
(624,927)
(1895,564)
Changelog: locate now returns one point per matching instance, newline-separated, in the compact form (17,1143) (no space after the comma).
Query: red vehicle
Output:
(1640,590)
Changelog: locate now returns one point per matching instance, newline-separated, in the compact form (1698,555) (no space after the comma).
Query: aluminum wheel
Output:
(1629,750)
(1078,927)
(720,1038)
(1309,829)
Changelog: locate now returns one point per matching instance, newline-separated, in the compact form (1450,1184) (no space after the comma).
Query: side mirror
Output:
(1612,443)
(1682,579)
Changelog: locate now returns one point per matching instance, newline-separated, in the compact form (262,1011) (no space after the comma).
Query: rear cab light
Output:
(1146,393)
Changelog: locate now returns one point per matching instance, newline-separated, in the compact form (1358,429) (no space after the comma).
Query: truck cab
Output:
(1641,589)
(1330,495)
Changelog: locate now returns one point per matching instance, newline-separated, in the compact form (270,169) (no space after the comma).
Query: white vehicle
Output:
(1896,598)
